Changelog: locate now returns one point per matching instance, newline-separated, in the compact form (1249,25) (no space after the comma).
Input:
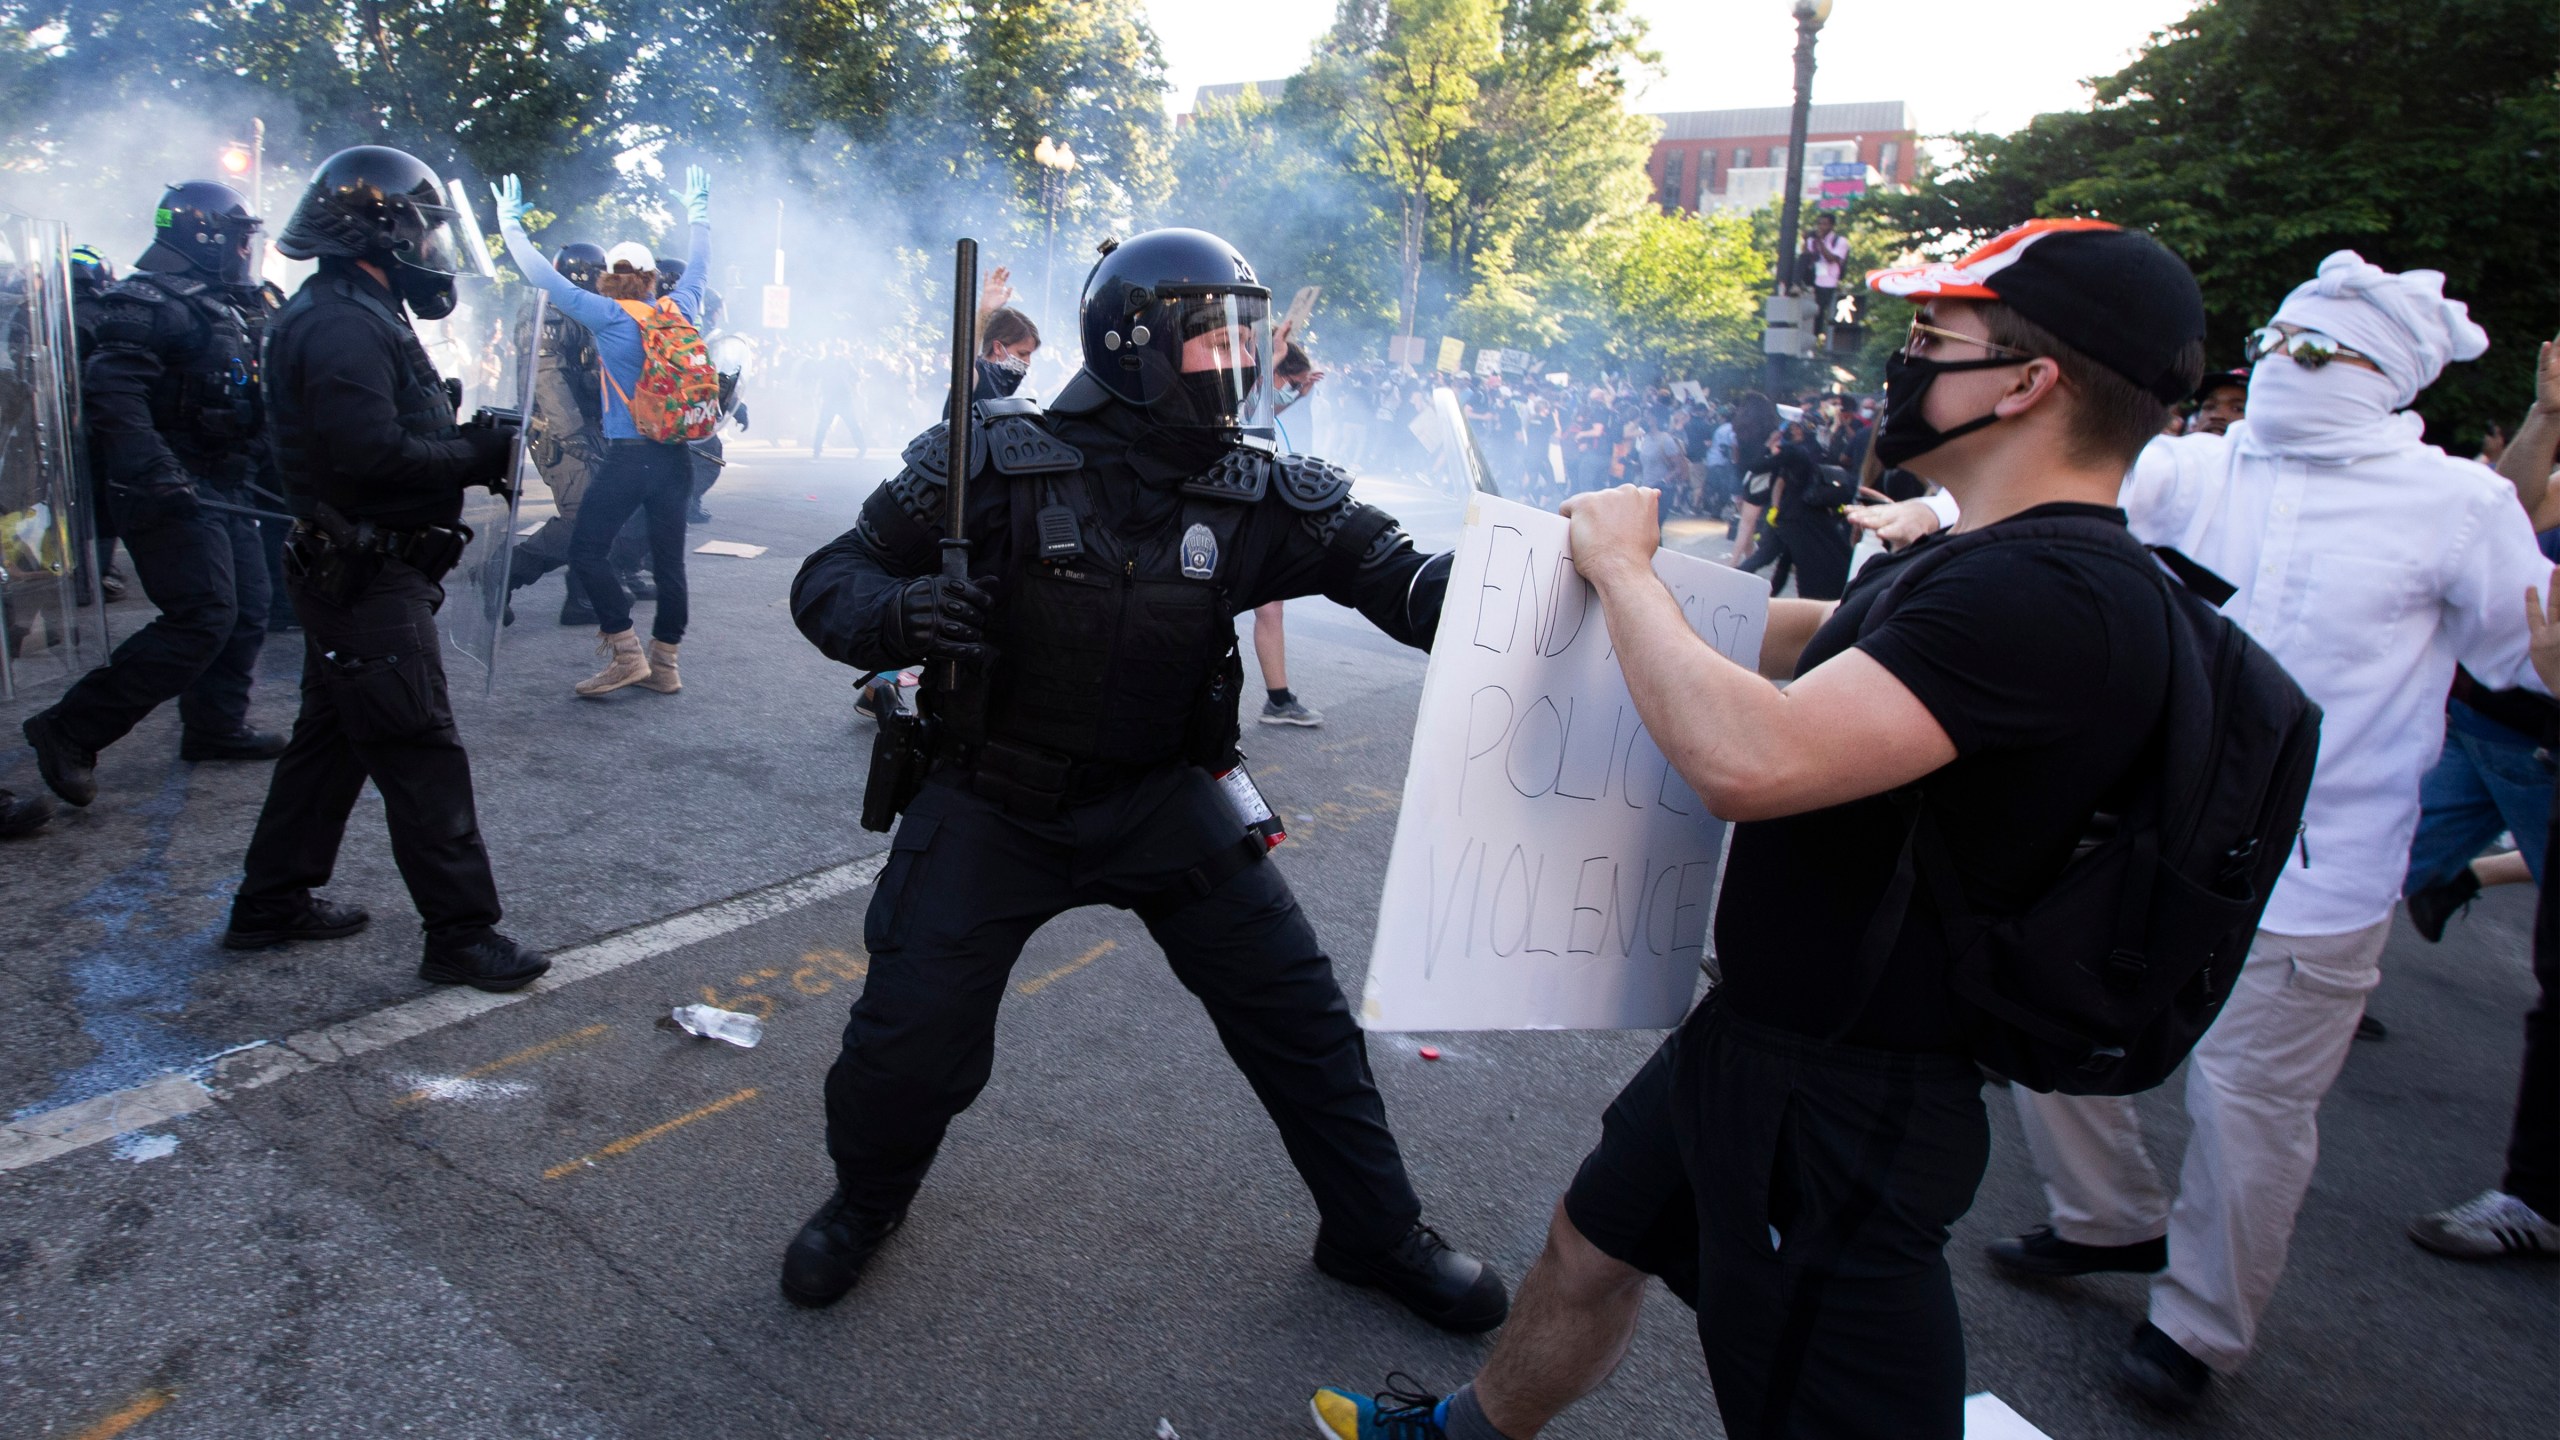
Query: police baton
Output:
(961,425)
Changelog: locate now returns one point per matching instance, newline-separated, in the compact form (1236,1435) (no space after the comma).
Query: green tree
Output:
(1248,170)
(2255,136)
(1399,76)
(1681,291)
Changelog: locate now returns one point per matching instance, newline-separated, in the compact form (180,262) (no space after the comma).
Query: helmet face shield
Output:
(244,256)
(1198,356)
(452,243)
(1225,355)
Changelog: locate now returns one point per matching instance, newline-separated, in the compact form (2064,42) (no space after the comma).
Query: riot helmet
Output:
(580,262)
(1175,321)
(371,202)
(670,270)
(205,227)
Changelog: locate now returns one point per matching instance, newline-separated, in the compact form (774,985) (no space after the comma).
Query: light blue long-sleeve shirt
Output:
(618,348)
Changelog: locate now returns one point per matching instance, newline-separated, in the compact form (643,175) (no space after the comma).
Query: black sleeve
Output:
(130,336)
(2006,649)
(845,596)
(349,376)
(1355,554)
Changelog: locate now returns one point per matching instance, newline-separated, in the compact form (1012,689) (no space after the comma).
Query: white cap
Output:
(636,256)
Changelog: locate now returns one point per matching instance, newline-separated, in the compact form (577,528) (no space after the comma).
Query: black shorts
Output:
(1798,1196)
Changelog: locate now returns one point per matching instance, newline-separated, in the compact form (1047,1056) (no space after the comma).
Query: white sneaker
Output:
(2489,1226)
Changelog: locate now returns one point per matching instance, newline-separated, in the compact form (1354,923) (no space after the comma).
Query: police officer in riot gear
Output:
(373,463)
(1117,536)
(170,402)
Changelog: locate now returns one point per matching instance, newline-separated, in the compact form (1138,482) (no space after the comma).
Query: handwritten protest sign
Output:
(1551,870)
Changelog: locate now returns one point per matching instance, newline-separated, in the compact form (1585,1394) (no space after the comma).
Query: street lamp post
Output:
(1057,162)
(1810,16)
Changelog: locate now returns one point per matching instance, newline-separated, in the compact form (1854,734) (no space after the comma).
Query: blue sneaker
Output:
(1391,1414)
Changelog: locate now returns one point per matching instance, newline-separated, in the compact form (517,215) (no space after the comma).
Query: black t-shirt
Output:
(2046,667)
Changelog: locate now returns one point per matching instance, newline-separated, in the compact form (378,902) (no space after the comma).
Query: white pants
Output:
(2253,1089)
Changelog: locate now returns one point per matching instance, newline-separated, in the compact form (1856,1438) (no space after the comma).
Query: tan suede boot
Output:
(624,664)
(662,675)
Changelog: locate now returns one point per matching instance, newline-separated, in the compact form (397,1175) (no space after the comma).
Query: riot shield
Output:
(52,618)
(475,611)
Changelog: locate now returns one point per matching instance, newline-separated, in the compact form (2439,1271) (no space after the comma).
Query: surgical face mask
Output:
(2323,413)
(1903,436)
(1286,394)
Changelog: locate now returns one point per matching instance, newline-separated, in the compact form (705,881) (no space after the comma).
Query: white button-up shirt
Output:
(2369,581)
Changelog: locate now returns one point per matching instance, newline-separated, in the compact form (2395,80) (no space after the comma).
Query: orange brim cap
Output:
(1970,278)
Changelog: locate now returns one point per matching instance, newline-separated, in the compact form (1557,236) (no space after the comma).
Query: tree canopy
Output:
(2255,136)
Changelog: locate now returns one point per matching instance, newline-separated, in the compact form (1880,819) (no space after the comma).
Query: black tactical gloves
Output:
(940,616)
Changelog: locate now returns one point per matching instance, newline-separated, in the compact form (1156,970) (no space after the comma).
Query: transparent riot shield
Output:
(52,618)
(475,609)
(1457,466)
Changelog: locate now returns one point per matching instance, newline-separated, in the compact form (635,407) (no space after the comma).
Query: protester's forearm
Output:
(1715,721)
(2530,456)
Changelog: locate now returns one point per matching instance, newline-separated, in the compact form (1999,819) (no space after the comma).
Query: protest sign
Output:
(1551,871)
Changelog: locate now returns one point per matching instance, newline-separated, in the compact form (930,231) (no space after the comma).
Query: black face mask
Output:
(428,293)
(1902,435)
(1205,398)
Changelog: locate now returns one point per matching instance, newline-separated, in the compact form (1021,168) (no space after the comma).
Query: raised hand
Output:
(697,194)
(996,291)
(510,198)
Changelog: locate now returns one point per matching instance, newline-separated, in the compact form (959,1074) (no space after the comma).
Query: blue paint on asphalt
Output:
(133,981)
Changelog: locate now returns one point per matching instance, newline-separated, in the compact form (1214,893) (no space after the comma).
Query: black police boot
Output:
(68,770)
(1451,1289)
(492,962)
(2040,1252)
(317,919)
(2161,1371)
(697,515)
(828,1254)
(22,817)
(577,610)
(242,744)
(641,586)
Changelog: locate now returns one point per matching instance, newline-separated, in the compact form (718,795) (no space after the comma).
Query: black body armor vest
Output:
(1119,654)
(424,405)
(205,403)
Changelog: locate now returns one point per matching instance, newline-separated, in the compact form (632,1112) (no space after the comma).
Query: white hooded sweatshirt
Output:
(2367,561)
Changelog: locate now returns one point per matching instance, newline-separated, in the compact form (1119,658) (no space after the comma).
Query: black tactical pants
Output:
(208,576)
(967,884)
(374,708)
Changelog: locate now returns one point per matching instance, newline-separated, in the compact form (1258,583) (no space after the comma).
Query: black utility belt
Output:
(344,554)
(1033,782)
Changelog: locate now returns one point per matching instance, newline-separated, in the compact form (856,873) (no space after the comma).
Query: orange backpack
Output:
(679,395)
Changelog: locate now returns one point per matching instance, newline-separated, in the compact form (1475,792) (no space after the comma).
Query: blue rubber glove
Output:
(697,194)
(510,197)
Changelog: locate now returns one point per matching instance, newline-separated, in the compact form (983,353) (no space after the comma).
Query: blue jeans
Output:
(2490,778)
(656,481)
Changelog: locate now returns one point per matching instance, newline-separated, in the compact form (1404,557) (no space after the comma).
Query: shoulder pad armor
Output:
(1310,484)
(928,455)
(1240,475)
(1004,405)
(1022,446)
(130,314)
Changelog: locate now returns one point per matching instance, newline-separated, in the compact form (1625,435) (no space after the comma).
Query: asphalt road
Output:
(554,1217)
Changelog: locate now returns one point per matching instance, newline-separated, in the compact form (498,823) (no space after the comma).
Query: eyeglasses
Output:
(1922,333)
(2308,348)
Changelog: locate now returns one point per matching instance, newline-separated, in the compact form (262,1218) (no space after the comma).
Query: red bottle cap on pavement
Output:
(1429,1053)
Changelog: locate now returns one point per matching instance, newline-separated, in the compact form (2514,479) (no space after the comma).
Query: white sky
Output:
(1961,64)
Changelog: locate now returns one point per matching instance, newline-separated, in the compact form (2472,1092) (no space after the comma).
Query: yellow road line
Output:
(1039,983)
(148,1404)
(630,1143)
(530,1052)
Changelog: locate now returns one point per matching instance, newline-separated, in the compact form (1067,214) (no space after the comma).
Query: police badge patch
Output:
(1199,553)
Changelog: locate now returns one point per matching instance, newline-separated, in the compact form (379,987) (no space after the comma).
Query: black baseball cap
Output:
(2223,380)
(2115,295)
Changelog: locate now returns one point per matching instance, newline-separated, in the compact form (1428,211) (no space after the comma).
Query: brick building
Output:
(1695,161)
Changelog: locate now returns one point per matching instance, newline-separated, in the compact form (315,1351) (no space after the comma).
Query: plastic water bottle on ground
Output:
(713,1023)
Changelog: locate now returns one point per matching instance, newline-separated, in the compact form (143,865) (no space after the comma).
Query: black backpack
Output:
(1832,487)
(2103,985)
